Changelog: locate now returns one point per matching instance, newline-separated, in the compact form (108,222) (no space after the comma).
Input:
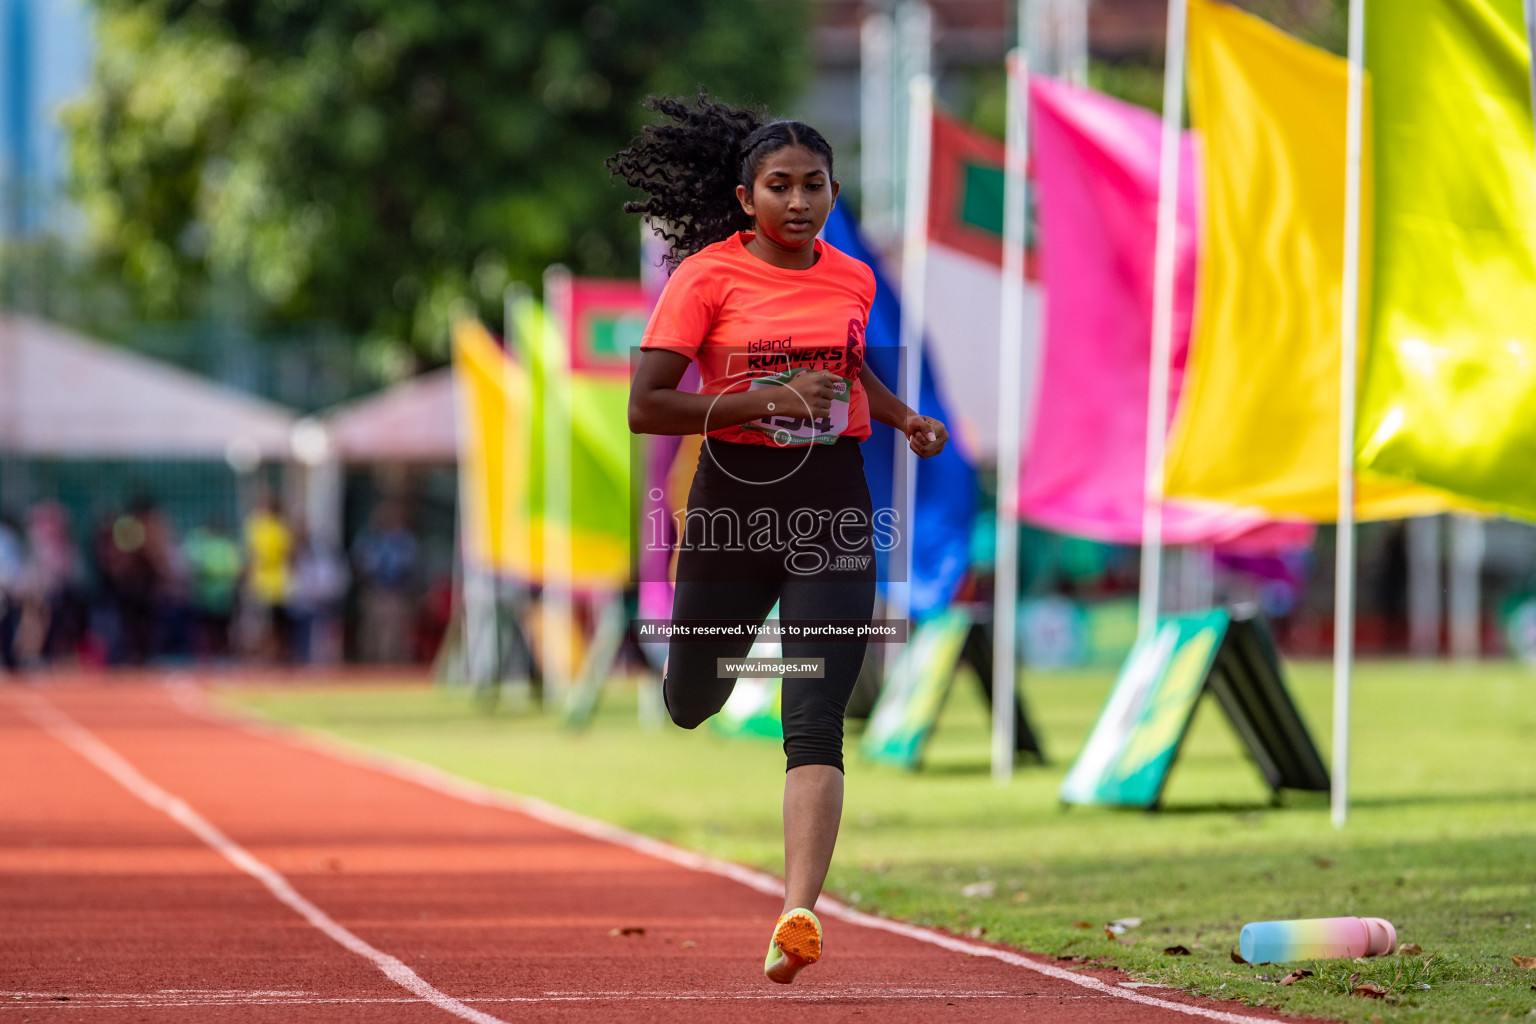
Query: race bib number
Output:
(787,429)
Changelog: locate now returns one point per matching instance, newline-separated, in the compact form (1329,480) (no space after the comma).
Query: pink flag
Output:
(1096,163)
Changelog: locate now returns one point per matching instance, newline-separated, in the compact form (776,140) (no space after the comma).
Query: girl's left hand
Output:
(925,435)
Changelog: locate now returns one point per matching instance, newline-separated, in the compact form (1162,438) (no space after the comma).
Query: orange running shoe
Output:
(796,942)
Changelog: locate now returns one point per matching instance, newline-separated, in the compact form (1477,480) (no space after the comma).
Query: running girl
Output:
(779,510)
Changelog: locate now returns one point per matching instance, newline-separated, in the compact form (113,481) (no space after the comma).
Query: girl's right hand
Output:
(815,388)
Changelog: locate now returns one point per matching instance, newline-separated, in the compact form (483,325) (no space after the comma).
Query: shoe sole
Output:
(799,943)
(799,937)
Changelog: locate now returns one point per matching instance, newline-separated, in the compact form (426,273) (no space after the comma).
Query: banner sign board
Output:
(1128,755)
(917,684)
(914,692)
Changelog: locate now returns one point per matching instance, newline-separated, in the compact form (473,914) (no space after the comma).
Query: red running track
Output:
(159,863)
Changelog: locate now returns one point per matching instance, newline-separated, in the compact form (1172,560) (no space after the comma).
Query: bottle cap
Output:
(1383,937)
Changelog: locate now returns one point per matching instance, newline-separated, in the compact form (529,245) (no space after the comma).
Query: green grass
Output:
(1441,839)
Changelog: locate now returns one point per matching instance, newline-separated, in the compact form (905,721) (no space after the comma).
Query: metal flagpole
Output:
(520,433)
(1530,39)
(558,604)
(1424,586)
(1467,544)
(1010,425)
(914,273)
(473,521)
(876,113)
(913,26)
(1037,35)
(1162,320)
(13,477)
(1075,58)
(1344,569)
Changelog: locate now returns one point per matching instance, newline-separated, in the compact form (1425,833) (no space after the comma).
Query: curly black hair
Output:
(690,169)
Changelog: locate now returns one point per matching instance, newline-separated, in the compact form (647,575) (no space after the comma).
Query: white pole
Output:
(1530,39)
(558,605)
(1010,426)
(1036,33)
(1466,585)
(914,274)
(876,113)
(520,433)
(1424,586)
(1179,571)
(1162,320)
(1344,570)
(1208,577)
(913,24)
(473,511)
(1076,45)
(325,513)
(11,476)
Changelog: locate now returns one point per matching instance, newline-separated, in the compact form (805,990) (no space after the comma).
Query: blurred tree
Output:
(373,162)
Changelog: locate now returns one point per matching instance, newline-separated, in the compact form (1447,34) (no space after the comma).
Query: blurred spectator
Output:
(434,616)
(171,633)
(12,562)
(106,617)
(268,554)
(51,620)
(213,566)
(318,588)
(131,575)
(1391,569)
(384,555)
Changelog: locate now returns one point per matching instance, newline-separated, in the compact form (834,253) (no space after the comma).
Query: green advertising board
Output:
(1129,753)
(1520,628)
(917,684)
(914,691)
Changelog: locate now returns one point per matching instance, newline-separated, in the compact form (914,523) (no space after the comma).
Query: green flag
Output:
(1450,378)
(579,446)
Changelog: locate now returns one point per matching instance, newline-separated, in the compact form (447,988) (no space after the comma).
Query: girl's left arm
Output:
(925,435)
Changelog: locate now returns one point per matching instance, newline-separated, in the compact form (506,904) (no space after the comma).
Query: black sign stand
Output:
(977,653)
(1247,681)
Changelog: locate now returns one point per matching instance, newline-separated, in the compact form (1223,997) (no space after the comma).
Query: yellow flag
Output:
(1258,422)
(578,433)
(493,396)
(1450,387)
(504,415)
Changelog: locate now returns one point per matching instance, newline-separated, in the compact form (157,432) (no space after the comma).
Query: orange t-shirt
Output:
(749,325)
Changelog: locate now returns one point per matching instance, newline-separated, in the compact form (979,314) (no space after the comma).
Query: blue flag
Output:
(946,483)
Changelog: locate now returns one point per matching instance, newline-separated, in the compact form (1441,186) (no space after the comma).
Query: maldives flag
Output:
(603,319)
(964,281)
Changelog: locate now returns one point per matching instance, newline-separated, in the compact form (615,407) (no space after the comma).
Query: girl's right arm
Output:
(656,406)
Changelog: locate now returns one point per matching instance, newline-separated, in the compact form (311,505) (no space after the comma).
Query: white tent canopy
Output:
(413,421)
(64,396)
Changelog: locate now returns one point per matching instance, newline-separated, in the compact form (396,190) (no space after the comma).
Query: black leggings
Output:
(768,524)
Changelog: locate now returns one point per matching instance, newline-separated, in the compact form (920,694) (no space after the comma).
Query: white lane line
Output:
(191,699)
(35,1001)
(82,742)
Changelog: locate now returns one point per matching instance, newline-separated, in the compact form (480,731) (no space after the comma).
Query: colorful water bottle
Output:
(1318,939)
